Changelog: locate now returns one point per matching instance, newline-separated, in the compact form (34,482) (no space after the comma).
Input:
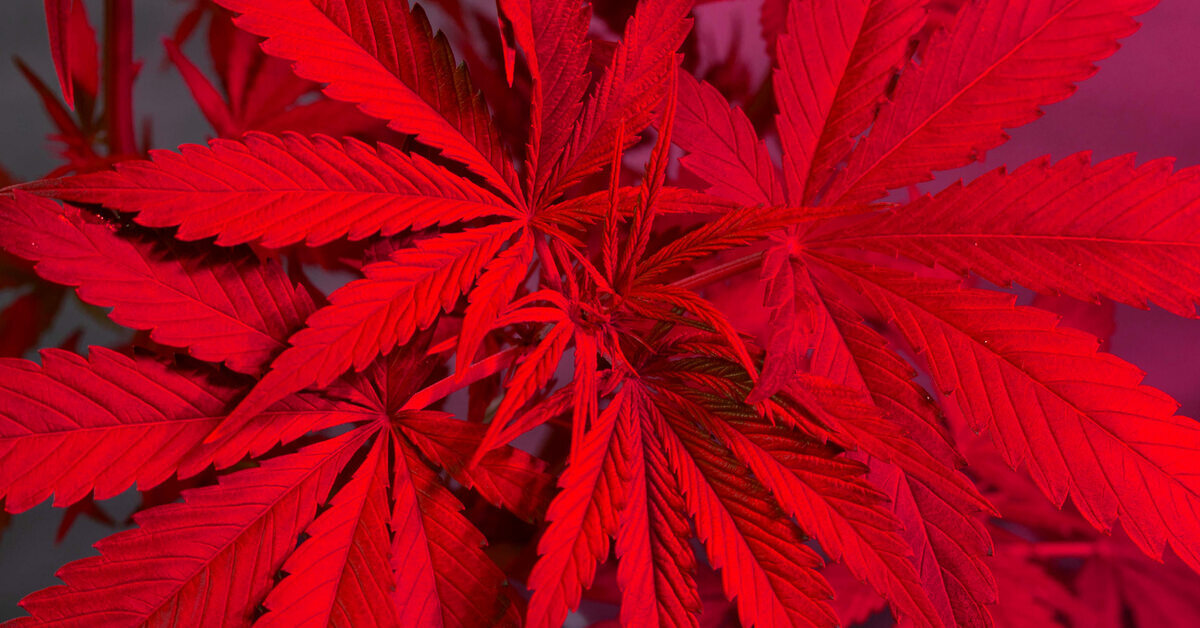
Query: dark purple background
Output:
(1145,100)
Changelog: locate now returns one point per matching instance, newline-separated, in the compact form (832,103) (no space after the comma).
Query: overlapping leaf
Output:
(948,545)
(386,59)
(630,89)
(657,567)
(75,426)
(226,543)
(1073,415)
(723,148)
(442,576)
(580,522)
(283,189)
(765,566)
(370,316)
(995,66)
(505,476)
(829,501)
(835,61)
(552,33)
(338,576)
(1110,230)
(223,306)
(666,430)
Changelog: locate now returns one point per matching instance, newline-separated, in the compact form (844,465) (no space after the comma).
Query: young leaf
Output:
(495,290)
(774,583)
(58,20)
(370,316)
(657,568)
(553,35)
(580,522)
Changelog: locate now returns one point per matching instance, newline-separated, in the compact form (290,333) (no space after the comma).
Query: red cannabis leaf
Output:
(546,357)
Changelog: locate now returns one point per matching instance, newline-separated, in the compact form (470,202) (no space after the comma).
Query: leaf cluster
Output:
(599,311)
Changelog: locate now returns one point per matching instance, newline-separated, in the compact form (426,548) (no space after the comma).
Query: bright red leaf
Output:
(463,363)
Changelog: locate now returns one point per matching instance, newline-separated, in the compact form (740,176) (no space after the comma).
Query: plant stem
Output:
(118,76)
(1059,549)
(717,273)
